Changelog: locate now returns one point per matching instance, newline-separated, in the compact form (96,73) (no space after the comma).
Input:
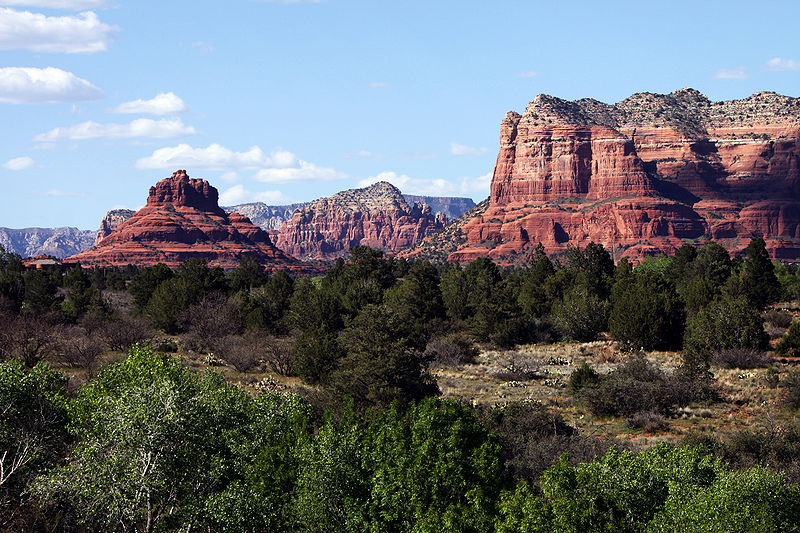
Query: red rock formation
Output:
(181,220)
(643,176)
(376,216)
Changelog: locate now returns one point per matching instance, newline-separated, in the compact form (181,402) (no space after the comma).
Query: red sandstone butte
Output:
(377,216)
(182,219)
(643,176)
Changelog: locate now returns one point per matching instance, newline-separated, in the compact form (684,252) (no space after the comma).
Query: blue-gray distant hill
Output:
(270,217)
(58,242)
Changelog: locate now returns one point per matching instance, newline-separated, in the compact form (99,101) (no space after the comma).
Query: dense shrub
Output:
(778,319)
(450,351)
(580,315)
(646,313)
(789,343)
(581,377)
(741,358)
(634,387)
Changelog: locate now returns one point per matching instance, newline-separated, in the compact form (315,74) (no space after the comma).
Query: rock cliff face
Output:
(376,216)
(112,221)
(181,220)
(266,217)
(643,176)
(57,242)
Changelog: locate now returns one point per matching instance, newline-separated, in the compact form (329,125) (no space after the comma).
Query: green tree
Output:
(145,283)
(761,284)
(170,299)
(33,430)
(384,360)
(580,314)
(646,313)
(725,324)
(316,353)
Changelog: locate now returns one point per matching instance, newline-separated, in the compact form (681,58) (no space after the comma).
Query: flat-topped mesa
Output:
(180,190)
(646,174)
(377,216)
(182,220)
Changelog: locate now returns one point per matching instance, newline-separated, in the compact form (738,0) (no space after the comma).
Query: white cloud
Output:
(280,166)
(141,127)
(378,84)
(434,187)
(81,34)
(75,5)
(230,177)
(239,195)
(161,104)
(212,157)
(782,64)
(19,85)
(528,74)
(463,149)
(362,154)
(302,171)
(19,163)
(736,73)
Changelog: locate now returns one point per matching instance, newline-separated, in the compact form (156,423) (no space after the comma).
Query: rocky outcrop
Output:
(643,176)
(56,242)
(376,216)
(181,220)
(112,221)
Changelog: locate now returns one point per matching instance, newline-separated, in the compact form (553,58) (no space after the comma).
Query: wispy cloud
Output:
(59,193)
(463,149)
(736,73)
(528,74)
(239,195)
(24,85)
(19,163)
(362,154)
(81,34)
(782,64)
(139,128)
(378,84)
(161,104)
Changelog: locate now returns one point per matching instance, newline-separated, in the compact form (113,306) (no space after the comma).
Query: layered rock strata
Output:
(377,216)
(182,219)
(112,221)
(643,176)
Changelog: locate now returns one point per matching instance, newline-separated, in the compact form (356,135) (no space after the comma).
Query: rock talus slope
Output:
(182,219)
(643,176)
(377,216)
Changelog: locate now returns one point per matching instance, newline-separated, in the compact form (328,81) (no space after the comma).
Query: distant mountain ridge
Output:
(58,242)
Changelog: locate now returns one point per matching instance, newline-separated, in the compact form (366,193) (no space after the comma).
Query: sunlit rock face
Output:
(643,176)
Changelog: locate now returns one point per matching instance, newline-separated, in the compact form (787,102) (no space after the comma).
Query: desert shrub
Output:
(778,319)
(79,348)
(168,347)
(127,331)
(580,314)
(241,352)
(741,358)
(789,343)
(534,437)
(28,338)
(581,377)
(791,386)
(648,421)
(450,351)
(636,386)
(211,319)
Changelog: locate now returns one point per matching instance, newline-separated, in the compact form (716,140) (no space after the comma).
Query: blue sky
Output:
(286,101)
